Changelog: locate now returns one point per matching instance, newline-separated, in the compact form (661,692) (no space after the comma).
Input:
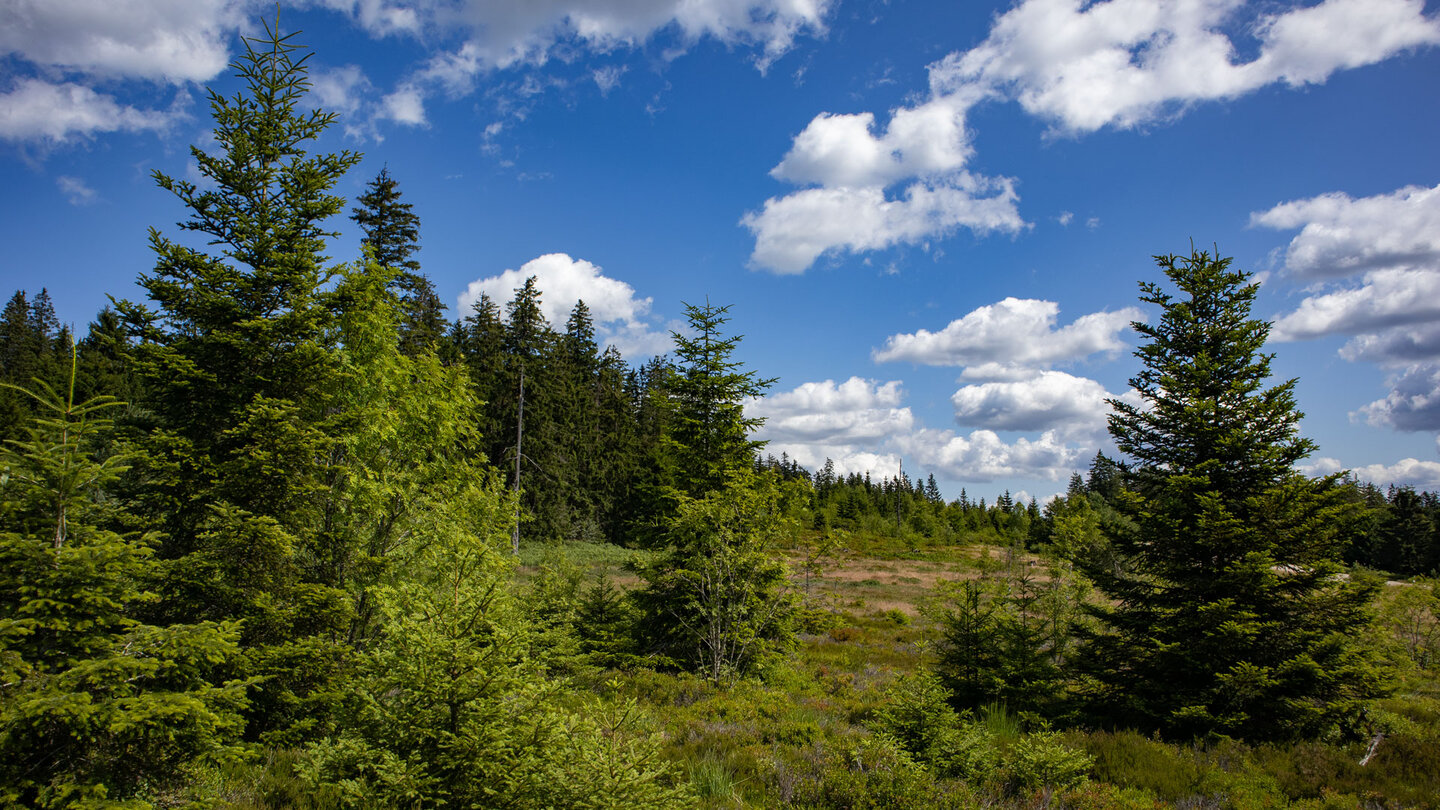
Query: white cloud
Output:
(159,40)
(511,35)
(405,106)
(791,232)
(1413,403)
(1340,236)
(620,317)
(76,191)
(1396,346)
(857,410)
(382,17)
(984,456)
(1010,339)
(1387,298)
(1392,242)
(1052,400)
(1411,472)
(342,89)
(607,78)
(38,110)
(1080,65)
(849,423)
(1084,66)
(862,426)
(841,150)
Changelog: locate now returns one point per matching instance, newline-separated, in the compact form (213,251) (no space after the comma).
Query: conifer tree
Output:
(708,435)
(1224,612)
(392,232)
(97,709)
(239,363)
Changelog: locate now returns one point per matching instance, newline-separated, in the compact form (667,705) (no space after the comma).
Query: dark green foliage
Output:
(96,708)
(918,716)
(717,602)
(33,346)
(239,365)
(707,433)
(392,234)
(1225,614)
(1008,637)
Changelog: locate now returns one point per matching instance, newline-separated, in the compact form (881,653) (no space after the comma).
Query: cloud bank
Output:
(1080,67)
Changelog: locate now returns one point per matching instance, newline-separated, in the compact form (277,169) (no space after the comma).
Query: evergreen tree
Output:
(239,363)
(392,233)
(717,602)
(97,709)
(708,436)
(1224,612)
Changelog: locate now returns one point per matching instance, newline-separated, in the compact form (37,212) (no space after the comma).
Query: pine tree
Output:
(708,436)
(1224,613)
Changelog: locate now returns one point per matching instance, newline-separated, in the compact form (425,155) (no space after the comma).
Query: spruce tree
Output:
(239,363)
(97,708)
(708,436)
(1224,611)
(392,233)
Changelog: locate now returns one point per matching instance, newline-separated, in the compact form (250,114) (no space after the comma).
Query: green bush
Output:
(917,715)
(1042,760)
(1131,760)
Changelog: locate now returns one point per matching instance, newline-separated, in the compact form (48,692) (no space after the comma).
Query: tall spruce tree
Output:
(239,363)
(1225,614)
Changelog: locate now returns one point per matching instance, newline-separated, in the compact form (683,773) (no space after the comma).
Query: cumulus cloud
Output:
(1081,66)
(1411,472)
(621,318)
(1375,263)
(983,456)
(856,410)
(76,191)
(1387,298)
(848,423)
(791,232)
(862,426)
(39,110)
(1421,342)
(1413,403)
(159,40)
(502,34)
(1010,339)
(1340,236)
(1052,400)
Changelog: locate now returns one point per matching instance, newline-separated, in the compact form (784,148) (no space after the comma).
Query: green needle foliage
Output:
(718,601)
(97,709)
(1226,613)
(239,361)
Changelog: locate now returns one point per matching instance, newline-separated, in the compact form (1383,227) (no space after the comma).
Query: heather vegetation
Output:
(281,536)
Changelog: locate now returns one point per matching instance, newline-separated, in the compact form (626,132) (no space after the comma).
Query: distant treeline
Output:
(593,425)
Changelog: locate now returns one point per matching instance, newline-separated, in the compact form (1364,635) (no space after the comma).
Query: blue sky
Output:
(929,218)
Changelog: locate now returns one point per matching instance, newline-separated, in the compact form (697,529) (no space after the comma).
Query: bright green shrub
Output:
(1042,760)
(918,716)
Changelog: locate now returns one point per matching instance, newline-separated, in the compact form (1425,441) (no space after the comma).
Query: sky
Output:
(929,219)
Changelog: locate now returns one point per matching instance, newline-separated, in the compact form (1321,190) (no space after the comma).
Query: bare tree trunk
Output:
(519,436)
